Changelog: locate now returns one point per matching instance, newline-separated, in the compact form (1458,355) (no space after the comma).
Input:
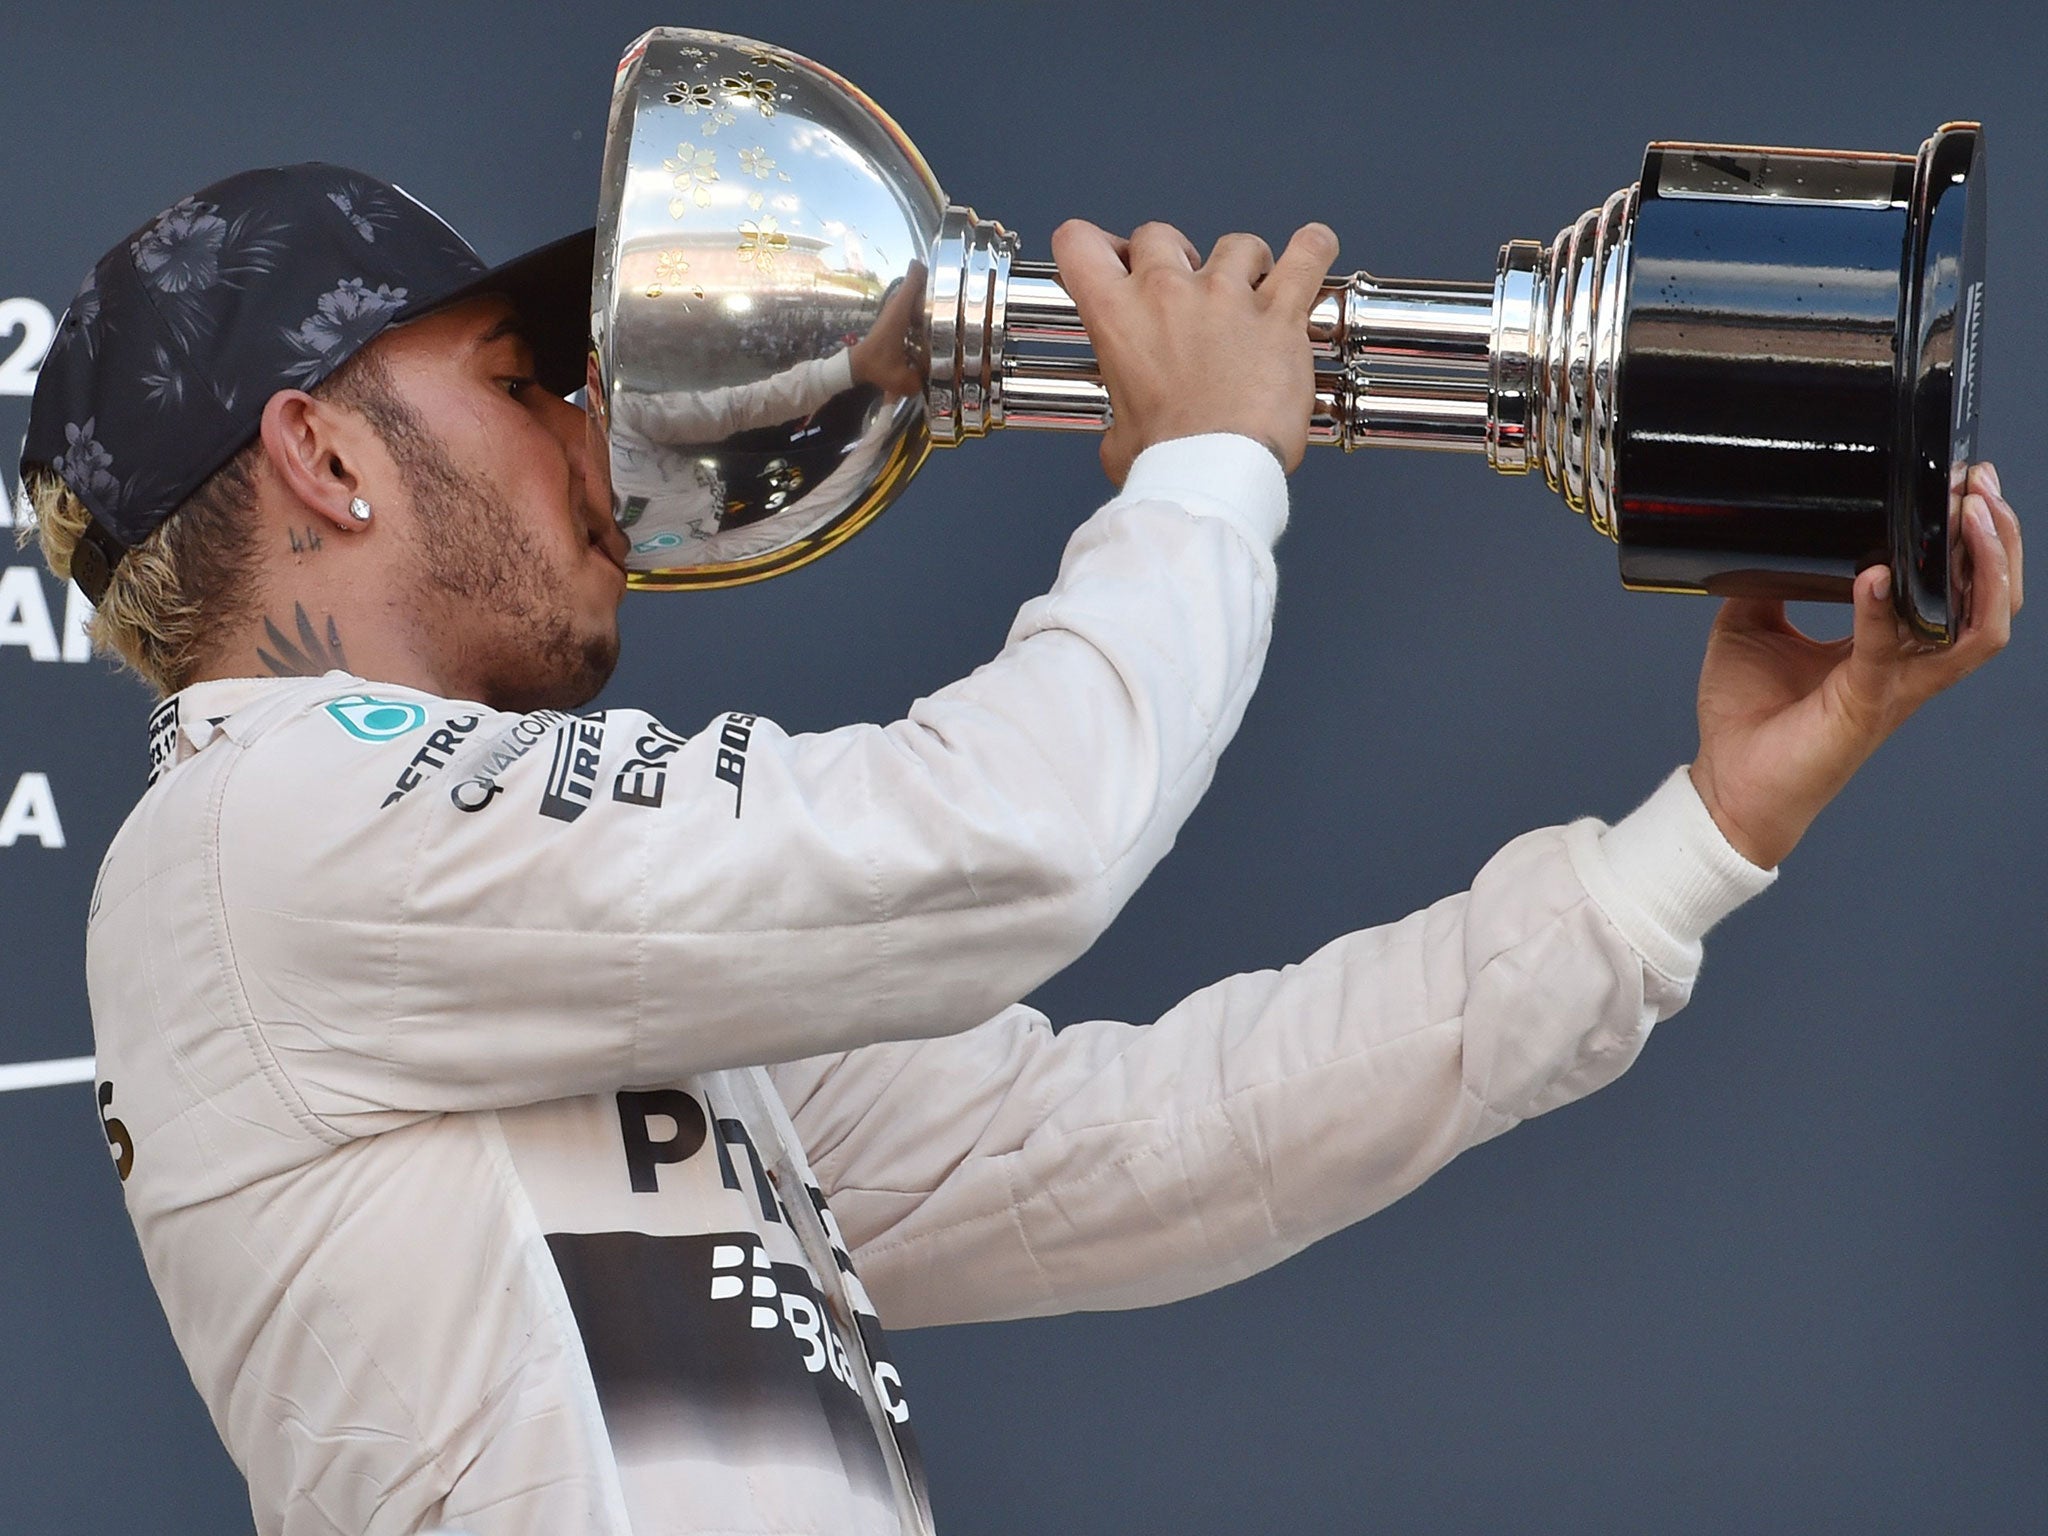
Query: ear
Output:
(320,454)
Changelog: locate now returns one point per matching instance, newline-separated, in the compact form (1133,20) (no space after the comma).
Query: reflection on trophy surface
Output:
(670,448)
(1754,369)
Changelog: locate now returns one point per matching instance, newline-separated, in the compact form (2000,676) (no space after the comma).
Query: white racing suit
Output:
(413,1020)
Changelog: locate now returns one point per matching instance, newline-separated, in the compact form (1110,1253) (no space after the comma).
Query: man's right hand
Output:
(1188,346)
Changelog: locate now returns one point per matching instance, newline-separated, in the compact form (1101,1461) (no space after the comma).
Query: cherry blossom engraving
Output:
(746,90)
(670,267)
(694,170)
(761,243)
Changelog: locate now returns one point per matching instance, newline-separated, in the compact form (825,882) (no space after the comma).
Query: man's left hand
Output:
(1786,720)
(887,356)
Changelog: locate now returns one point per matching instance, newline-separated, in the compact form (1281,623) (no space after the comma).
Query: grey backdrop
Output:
(1786,1276)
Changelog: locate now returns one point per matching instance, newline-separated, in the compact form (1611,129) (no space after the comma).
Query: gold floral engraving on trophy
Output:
(768,58)
(756,163)
(669,267)
(761,243)
(695,97)
(748,91)
(695,169)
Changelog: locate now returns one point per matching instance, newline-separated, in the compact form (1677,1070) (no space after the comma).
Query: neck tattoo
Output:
(314,653)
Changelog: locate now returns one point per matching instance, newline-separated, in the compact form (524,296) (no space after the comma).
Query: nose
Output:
(589,459)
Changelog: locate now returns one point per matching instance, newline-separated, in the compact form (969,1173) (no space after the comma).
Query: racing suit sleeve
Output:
(575,905)
(680,417)
(1012,1172)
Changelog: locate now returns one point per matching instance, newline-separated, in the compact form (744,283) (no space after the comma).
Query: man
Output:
(430,1033)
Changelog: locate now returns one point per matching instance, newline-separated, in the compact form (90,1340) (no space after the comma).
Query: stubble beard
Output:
(489,592)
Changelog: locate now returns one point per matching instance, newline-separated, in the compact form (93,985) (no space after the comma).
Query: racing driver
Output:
(530,1118)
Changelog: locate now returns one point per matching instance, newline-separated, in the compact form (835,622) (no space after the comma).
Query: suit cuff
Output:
(1664,874)
(1217,474)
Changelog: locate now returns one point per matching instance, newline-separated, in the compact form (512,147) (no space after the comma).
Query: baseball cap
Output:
(267,280)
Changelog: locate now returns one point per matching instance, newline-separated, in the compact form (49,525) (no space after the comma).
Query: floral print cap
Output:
(269,280)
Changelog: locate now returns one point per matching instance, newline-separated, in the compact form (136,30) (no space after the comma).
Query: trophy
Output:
(1754,369)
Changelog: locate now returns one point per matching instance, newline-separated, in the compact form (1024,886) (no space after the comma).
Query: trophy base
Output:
(1799,372)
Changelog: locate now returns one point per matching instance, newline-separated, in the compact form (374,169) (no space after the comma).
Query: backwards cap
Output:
(268,280)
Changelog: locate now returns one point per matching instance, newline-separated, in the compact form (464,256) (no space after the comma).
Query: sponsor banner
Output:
(41,618)
(15,1076)
(15,512)
(26,328)
(28,812)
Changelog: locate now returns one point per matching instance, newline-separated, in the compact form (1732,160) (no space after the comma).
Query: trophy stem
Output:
(1360,319)
(1372,322)
(1437,414)
(1040,308)
(1519,369)
(1410,361)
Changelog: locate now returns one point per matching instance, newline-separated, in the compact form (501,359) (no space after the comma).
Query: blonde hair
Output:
(171,589)
(182,587)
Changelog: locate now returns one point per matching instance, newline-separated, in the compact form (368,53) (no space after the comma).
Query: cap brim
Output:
(550,289)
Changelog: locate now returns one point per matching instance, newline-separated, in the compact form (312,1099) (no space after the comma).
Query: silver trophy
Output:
(1754,369)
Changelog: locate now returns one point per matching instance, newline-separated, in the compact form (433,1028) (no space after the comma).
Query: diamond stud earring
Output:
(359,509)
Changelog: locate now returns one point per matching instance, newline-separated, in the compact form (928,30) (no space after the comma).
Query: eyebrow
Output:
(509,326)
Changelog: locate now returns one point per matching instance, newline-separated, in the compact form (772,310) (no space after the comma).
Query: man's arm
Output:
(683,417)
(1014,1172)
(552,905)
(533,918)
(1010,1172)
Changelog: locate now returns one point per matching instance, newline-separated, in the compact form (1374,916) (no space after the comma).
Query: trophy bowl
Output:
(1755,369)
